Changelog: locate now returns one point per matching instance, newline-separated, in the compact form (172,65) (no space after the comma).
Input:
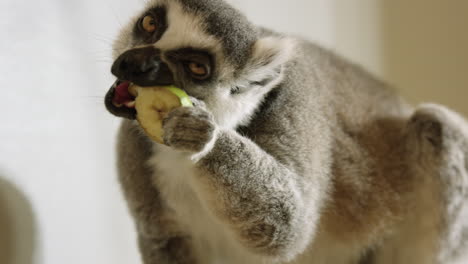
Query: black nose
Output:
(142,66)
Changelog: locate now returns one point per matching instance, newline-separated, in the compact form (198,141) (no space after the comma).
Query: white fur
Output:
(453,117)
(212,242)
(185,30)
(276,51)
(231,111)
(208,147)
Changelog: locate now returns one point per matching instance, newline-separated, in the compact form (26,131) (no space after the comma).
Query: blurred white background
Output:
(59,198)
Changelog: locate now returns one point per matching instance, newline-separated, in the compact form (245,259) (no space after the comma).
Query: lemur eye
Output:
(148,24)
(198,70)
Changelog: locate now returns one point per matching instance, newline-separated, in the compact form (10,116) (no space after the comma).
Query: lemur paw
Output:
(189,129)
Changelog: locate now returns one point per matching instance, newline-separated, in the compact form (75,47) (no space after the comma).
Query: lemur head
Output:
(205,47)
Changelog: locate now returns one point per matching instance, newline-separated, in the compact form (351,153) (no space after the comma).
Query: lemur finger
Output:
(185,112)
(197,103)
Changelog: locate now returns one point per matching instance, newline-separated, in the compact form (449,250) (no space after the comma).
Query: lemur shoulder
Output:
(290,155)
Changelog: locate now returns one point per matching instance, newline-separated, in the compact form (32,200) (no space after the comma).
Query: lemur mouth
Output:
(119,101)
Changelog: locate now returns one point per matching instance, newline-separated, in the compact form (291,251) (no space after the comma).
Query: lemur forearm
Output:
(258,197)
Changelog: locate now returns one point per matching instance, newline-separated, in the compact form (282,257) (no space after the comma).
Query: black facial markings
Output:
(181,57)
(227,24)
(142,66)
(236,90)
(160,16)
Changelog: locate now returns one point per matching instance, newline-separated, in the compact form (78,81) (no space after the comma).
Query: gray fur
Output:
(228,25)
(330,166)
(444,140)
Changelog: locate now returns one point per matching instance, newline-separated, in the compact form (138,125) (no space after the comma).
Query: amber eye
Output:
(148,24)
(198,69)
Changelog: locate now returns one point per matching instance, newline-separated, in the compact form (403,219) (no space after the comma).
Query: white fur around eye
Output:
(185,30)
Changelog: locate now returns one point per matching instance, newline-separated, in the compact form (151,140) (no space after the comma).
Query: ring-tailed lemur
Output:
(291,155)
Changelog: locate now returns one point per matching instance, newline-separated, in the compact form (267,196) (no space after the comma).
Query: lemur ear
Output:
(269,54)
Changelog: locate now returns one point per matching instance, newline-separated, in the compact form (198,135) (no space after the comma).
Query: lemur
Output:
(290,155)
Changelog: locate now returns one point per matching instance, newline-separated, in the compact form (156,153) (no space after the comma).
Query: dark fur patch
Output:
(181,57)
(368,258)
(430,129)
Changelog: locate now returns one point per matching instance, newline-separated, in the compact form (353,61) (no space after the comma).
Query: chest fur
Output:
(174,177)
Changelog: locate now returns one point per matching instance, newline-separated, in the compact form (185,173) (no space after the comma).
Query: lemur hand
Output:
(189,129)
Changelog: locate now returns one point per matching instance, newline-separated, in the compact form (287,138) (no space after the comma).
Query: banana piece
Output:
(153,104)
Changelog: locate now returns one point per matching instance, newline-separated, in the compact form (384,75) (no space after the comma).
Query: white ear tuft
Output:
(272,52)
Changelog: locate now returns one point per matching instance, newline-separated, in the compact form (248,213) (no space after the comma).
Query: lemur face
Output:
(206,48)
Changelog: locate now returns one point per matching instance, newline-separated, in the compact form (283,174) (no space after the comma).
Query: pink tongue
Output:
(122,95)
